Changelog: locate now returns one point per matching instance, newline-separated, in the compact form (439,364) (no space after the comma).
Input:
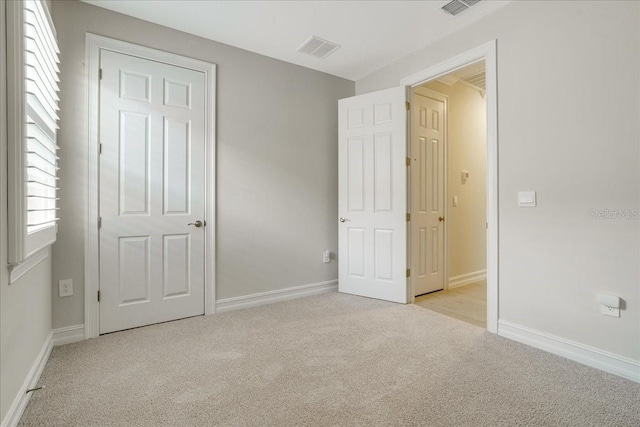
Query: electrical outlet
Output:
(609,311)
(609,305)
(65,287)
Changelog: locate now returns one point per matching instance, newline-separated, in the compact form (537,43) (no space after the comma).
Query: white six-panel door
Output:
(152,186)
(372,195)
(428,147)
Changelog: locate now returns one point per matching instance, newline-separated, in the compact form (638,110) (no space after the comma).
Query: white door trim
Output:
(93,46)
(487,52)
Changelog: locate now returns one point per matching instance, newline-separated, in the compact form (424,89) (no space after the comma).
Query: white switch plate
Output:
(65,287)
(527,199)
(609,311)
(455,201)
(326,256)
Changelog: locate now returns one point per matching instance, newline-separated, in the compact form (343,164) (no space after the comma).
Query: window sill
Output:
(25,266)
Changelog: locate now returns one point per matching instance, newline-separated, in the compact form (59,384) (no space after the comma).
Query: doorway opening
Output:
(448,195)
(375,193)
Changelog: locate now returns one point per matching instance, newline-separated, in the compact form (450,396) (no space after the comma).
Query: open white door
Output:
(373,195)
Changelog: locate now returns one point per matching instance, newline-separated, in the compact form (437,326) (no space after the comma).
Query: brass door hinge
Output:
(408,105)
(99,222)
(100,74)
(98,296)
(408,217)
(407,161)
(408,272)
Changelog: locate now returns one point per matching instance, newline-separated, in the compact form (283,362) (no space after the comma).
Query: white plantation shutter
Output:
(33,179)
(41,111)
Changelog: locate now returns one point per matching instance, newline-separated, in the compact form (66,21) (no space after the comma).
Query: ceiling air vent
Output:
(315,46)
(457,6)
(478,80)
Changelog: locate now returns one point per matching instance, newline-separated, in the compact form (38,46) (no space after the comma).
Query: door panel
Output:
(175,261)
(428,147)
(152,169)
(133,272)
(133,178)
(176,185)
(372,195)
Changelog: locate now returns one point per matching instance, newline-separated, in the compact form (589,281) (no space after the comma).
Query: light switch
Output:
(455,201)
(527,199)
(464,176)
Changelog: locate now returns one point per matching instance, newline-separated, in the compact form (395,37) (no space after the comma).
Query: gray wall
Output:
(276,169)
(568,105)
(25,306)
(25,325)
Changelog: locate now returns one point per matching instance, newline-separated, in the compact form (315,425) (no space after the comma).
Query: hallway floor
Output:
(467,303)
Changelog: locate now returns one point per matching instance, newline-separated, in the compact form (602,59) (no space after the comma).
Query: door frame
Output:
(445,100)
(487,52)
(94,44)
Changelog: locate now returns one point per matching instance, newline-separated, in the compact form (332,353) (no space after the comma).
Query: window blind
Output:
(41,111)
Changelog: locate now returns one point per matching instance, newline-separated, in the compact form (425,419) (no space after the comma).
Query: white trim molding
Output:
(270,297)
(12,418)
(16,215)
(56,337)
(488,53)
(68,335)
(466,279)
(23,268)
(93,46)
(581,353)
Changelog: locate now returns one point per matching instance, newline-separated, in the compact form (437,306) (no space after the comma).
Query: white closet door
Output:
(152,186)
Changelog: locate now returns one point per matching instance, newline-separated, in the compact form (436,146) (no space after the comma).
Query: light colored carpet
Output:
(467,303)
(328,360)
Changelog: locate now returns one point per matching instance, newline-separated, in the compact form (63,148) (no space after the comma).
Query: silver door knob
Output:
(197,223)
(344,219)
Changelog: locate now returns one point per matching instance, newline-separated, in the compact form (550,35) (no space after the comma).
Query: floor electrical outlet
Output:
(65,287)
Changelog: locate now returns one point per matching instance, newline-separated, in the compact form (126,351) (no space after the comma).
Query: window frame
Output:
(21,244)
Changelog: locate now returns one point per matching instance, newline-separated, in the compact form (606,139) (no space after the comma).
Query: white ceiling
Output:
(371,33)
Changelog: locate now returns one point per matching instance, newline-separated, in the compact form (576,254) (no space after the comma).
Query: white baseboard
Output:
(587,355)
(68,335)
(466,279)
(270,297)
(20,402)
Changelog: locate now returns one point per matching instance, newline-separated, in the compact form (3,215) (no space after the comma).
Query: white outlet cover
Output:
(65,288)
(527,199)
(609,311)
